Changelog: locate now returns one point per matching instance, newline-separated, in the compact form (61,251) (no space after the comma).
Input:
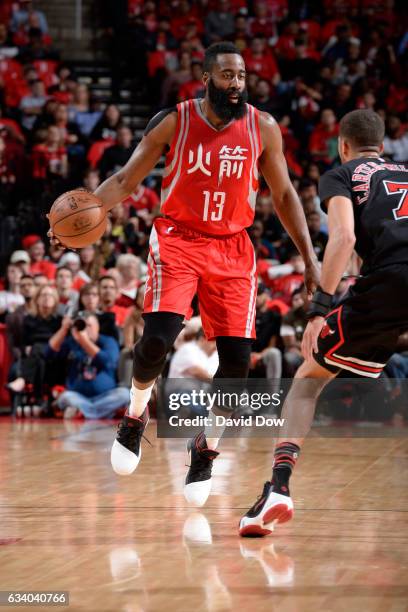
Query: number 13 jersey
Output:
(210,180)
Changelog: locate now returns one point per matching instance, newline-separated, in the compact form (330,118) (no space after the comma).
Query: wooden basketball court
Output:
(132,545)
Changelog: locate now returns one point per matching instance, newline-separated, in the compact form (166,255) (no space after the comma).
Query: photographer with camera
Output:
(92,362)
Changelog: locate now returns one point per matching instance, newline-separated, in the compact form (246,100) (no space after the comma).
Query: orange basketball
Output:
(77,218)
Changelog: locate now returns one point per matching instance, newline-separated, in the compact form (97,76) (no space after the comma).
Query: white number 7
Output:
(218,199)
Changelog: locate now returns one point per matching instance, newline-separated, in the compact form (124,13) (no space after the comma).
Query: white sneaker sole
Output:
(197,493)
(277,509)
(123,461)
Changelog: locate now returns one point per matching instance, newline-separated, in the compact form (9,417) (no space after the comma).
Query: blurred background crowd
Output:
(68,320)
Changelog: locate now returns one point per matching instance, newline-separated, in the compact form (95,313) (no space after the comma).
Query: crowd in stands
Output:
(72,318)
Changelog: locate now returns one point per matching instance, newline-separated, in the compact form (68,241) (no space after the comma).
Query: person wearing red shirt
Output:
(284,286)
(259,59)
(193,88)
(50,157)
(179,23)
(36,250)
(142,199)
(262,24)
(323,139)
(109,293)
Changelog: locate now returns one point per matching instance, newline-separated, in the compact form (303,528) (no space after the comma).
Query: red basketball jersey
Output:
(210,180)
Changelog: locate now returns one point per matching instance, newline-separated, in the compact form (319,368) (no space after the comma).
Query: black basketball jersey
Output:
(379,192)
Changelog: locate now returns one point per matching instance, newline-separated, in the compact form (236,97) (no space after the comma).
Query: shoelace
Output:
(264,494)
(135,431)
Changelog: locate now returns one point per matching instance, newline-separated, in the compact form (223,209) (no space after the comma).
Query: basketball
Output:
(77,218)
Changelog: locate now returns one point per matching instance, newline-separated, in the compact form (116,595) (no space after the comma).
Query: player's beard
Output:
(221,104)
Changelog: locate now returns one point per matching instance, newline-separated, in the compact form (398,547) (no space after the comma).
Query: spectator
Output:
(22,260)
(323,140)
(263,249)
(197,359)
(15,320)
(337,47)
(219,24)
(175,79)
(31,104)
(91,264)
(92,362)
(89,298)
(293,326)
(50,158)
(259,59)
(396,140)
(240,36)
(10,297)
(81,111)
(132,332)
(193,88)
(7,48)
(37,329)
(145,203)
(262,24)
(72,261)
(266,358)
(69,132)
(36,46)
(22,13)
(41,280)
(129,268)
(108,294)
(319,238)
(285,279)
(92,180)
(68,297)
(89,302)
(116,156)
(107,126)
(36,250)
(263,99)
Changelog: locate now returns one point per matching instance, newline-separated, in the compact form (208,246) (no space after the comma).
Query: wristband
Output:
(320,305)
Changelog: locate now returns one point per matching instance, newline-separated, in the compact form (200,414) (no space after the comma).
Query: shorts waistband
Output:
(190,232)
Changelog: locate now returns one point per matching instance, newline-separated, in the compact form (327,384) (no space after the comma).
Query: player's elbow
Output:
(345,238)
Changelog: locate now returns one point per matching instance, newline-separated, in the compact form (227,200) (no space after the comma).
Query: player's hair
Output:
(363,129)
(216,49)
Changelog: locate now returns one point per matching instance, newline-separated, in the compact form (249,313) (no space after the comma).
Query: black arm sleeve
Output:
(336,182)
(159,118)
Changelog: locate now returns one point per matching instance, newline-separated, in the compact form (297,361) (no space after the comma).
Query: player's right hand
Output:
(53,240)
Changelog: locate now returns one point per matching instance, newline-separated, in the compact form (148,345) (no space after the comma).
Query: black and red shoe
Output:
(126,449)
(273,506)
(197,487)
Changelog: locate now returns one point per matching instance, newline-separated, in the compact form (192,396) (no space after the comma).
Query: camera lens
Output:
(80,324)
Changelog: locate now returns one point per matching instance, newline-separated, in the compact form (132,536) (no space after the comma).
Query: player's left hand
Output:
(312,277)
(310,337)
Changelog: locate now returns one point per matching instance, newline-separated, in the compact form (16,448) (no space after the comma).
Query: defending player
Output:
(214,149)
(367,203)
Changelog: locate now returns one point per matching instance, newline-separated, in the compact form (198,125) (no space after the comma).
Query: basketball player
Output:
(214,149)
(367,203)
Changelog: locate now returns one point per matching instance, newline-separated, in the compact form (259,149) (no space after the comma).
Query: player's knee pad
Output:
(160,331)
(234,355)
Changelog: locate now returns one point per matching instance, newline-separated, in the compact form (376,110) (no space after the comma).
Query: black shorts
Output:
(361,333)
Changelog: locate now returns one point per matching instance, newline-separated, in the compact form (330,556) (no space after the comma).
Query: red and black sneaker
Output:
(126,449)
(273,506)
(197,487)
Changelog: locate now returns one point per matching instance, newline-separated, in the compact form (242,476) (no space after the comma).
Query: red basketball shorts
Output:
(222,271)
